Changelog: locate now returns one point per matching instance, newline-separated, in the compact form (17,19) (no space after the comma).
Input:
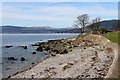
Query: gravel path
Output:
(91,62)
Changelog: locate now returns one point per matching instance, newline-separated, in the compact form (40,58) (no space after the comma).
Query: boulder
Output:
(23,59)
(11,58)
(39,49)
(25,47)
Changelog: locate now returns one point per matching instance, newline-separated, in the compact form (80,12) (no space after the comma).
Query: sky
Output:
(55,14)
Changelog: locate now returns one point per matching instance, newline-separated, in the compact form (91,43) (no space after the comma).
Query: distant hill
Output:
(40,29)
(108,24)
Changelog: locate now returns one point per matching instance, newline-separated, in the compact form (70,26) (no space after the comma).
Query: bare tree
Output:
(95,24)
(81,22)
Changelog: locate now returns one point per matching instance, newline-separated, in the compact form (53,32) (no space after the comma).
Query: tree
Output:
(82,22)
(95,23)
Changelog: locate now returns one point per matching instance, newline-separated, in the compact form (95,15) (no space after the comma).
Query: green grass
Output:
(113,36)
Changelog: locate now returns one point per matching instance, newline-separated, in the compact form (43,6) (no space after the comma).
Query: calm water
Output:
(11,67)
(26,39)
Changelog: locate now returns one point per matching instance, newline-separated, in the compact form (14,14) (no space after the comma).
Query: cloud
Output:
(62,10)
(63,14)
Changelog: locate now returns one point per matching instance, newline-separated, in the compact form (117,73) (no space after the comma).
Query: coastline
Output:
(32,65)
(43,61)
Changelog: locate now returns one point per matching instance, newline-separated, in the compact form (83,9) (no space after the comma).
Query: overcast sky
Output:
(55,14)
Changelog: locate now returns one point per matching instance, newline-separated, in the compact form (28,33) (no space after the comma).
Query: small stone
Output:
(32,76)
(33,63)
(46,70)
(93,58)
(33,52)
(96,52)
(53,54)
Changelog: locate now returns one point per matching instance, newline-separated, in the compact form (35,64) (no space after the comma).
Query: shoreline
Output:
(40,63)
(32,65)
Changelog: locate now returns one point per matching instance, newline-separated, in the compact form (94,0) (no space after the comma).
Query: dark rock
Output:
(8,46)
(12,62)
(75,46)
(32,76)
(32,63)
(64,52)
(68,65)
(25,47)
(53,54)
(12,58)
(93,58)
(96,52)
(51,40)
(70,47)
(87,76)
(9,77)
(23,59)
(57,51)
(46,70)
(39,49)
(52,68)
(33,52)
(47,48)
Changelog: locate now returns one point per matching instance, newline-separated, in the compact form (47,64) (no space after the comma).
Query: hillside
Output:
(40,29)
(108,24)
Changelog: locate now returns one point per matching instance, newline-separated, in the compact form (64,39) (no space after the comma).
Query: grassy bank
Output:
(113,36)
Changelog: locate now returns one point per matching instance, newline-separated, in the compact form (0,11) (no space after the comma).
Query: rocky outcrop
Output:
(62,46)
